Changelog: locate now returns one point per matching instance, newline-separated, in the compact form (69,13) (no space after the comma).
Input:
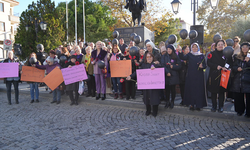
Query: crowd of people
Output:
(197,74)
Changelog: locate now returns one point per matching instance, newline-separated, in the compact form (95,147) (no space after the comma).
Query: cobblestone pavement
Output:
(95,126)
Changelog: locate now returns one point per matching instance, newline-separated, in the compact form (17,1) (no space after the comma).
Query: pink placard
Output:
(150,79)
(8,70)
(74,74)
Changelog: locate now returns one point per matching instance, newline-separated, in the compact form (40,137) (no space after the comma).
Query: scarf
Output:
(198,52)
(87,61)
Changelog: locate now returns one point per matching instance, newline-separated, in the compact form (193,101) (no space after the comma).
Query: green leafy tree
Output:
(239,27)
(98,20)
(220,20)
(43,10)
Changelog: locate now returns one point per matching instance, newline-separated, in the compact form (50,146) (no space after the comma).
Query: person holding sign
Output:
(90,72)
(49,67)
(33,85)
(217,62)
(130,85)
(194,95)
(100,55)
(150,96)
(241,81)
(73,87)
(172,63)
(116,55)
(10,80)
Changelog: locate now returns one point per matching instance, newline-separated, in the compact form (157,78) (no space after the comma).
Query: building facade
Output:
(9,22)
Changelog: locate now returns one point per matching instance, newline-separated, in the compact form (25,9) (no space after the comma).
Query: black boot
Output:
(148,110)
(167,104)
(76,102)
(97,96)
(155,110)
(172,104)
(104,97)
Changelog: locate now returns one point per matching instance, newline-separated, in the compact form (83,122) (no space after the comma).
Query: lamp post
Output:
(176,3)
(43,26)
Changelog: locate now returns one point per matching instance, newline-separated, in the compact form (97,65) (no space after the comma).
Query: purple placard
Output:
(150,79)
(8,70)
(74,74)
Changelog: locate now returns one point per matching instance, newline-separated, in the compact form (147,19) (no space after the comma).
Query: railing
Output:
(14,19)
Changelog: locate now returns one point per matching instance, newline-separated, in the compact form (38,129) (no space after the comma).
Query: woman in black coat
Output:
(150,96)
(217,62)
(241,81)
(130,85)
(194,95)
(73,87)
(183,72)
(173,65)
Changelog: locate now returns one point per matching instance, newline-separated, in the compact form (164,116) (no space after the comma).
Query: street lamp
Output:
(214,4)
(43,26)
(175,6)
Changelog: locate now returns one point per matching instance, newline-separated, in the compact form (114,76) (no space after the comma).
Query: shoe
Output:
(155,110)
(88,95)
(97,96)
(191,108)
(32,101)
(181,103)
(133,98)
(213,109)
(167,105)
(50,92)
(104,97)
(127,98)
(220,110)
(72,103)
(239,114)
(121,96)
(172,104)
(247,116)
(76,103)
(37,101)
(58,102)
(198,109)
(147,113)
(17,102)
(116,96)
(93,95)
(53,102)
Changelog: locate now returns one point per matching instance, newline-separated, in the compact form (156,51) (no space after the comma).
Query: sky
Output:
(185,12)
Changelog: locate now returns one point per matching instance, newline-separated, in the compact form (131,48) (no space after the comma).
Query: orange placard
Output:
(224,78)
(32,74)
(53,79)
(121,68)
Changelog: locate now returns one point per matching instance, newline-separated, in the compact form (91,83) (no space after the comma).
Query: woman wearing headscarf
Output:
(217,62)
(194,95)
(241,81)
(172,64)
(100,55)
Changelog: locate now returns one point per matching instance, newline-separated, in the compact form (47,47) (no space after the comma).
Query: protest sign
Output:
(150,79)
(74,74)
(32,74)
(121,68)
(53,79)
(9,70)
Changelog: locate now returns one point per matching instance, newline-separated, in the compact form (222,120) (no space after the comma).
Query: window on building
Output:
(2,26)
(2,7)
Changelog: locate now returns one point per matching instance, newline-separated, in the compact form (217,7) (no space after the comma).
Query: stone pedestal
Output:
(144,32)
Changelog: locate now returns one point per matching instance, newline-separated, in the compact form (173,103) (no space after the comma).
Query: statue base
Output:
(144,32)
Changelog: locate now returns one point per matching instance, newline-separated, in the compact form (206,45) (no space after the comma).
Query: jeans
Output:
(34,88)
(8,85)
(57,95)
(116,81)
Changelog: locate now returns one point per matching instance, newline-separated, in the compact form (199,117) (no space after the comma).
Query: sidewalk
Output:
(137,103)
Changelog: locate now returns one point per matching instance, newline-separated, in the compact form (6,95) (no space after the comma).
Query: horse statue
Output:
(136,7)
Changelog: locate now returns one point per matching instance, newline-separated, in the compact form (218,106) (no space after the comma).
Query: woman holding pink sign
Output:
(150,96)
(10,80)
(100,56)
